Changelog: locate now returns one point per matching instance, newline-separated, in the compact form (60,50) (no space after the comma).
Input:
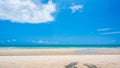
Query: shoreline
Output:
(62,51)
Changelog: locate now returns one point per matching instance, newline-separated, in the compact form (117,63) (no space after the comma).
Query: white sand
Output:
(59,58)
(69,51)
(59,61)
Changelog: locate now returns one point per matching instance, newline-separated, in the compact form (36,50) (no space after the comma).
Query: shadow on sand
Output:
(74,65)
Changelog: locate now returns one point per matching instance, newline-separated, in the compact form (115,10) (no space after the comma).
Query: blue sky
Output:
(81,22)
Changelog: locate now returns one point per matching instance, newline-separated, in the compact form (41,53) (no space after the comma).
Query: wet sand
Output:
(71,51)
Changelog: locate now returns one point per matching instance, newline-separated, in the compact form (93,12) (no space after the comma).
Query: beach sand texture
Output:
(60,58)
(60,61)
(71,51)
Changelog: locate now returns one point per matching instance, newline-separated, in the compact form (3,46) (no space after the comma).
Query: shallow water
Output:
(58,46)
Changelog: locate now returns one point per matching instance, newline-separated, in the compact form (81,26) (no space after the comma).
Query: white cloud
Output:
(110,33)
(40,41)
(46,42)
(104,29)
(75,8)
(13,40)
(27,11)
(9,41)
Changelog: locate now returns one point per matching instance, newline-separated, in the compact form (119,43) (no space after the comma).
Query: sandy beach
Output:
(62,51)
(60,61)
(60,58)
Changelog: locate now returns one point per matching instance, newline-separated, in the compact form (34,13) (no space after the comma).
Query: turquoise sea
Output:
(59,46)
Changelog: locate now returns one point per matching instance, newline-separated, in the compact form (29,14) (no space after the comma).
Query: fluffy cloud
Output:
(27,11)
(75,8)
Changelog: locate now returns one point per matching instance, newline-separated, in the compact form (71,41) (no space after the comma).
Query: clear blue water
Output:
(59,46)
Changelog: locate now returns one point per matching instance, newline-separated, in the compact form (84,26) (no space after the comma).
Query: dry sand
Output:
(59,58)
(59,61)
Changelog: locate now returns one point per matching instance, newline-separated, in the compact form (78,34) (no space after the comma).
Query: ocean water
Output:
(59,46)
